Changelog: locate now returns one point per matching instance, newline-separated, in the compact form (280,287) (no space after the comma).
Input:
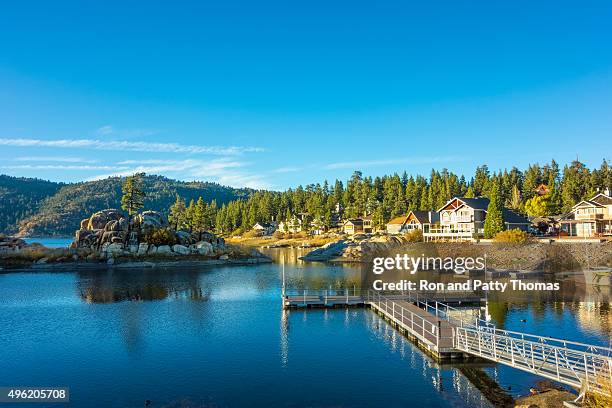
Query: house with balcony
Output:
(265,228)
(414,220)
(361,225)
(590,218)
(462,219)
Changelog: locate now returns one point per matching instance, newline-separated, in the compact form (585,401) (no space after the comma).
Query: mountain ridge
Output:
(34,207)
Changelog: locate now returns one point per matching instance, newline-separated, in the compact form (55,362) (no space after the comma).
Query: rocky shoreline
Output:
(108,238)
(536,256)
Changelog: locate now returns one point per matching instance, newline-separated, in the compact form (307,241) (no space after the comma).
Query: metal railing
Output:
(324,296)
(419,326)
(580,365)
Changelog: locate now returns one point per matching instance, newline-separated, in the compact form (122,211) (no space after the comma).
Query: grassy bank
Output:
(284,240)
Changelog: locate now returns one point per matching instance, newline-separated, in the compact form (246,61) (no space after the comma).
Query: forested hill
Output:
(21,197)
(34,208)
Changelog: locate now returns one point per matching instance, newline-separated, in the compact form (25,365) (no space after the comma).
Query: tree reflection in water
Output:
(138,285)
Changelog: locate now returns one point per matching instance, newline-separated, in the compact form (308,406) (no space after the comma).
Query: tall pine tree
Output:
(494,222)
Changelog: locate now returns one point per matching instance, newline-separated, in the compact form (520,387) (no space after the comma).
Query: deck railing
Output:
(580,365)
(584,366)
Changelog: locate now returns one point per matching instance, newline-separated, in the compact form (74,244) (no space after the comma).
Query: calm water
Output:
(217,337)
(51,242)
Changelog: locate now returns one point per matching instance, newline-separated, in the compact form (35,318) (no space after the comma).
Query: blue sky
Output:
(273,94)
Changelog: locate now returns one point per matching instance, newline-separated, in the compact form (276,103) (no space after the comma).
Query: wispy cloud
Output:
(105,130)
(287,170)
(223,170)
(388,162)
(61,159)
(109,130)
(124,145)
(59,167)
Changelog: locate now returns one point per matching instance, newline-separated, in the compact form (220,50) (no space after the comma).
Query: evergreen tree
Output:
(133,194)
(494,222)
(133,197)
(199,215)
(177,213)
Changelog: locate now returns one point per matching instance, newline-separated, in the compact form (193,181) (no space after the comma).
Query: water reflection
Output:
(448,381)
(139,285)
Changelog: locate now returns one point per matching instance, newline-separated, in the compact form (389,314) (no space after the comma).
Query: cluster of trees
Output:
(391,196)
(199,216)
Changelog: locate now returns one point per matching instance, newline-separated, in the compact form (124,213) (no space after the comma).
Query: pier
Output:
(435,323)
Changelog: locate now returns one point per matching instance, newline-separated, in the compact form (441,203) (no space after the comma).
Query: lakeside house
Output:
(293,225)
(265,228)
(462,219)
(590,218)
(361,225)
(414,220)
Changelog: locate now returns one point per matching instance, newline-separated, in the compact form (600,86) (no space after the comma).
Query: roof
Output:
(421,216)
(510,217)
(589,203)
(602,199)
(263,225)
(480,203)
(354,221)
(399,220)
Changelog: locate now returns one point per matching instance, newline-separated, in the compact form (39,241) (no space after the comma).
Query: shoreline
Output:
(145,263)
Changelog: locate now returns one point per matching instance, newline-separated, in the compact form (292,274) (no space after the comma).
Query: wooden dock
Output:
(431,333)
(448,332)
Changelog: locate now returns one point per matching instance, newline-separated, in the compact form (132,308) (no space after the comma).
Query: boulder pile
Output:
(10,245)
(354,249)
(110,233)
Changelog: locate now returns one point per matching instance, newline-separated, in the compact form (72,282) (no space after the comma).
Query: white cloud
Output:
(108,130)
(124,145)
(389,162)
(287,170)
(223,170)
(105,130)
(59,167)
(62,159)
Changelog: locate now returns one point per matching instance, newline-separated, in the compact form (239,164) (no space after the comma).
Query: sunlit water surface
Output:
(217,337)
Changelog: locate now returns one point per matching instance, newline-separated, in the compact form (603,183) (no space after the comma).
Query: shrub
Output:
(512,236)
(253,234)
(596,400)
(416,235)
(161,236)
(278,235)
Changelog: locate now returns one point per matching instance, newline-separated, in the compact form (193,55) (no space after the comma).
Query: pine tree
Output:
(132,199)
(133,194)
(494,222)
(199,217)
(177,213)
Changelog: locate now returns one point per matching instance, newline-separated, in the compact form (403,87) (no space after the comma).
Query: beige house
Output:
(462,219)
(265,228)
(414,220)
(358,226)
(590,218)
(294,225)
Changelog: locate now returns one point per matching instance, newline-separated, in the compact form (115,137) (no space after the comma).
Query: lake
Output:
(217,337)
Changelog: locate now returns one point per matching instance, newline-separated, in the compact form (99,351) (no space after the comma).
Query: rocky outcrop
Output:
(10,245)
(109,233)
(355,249)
